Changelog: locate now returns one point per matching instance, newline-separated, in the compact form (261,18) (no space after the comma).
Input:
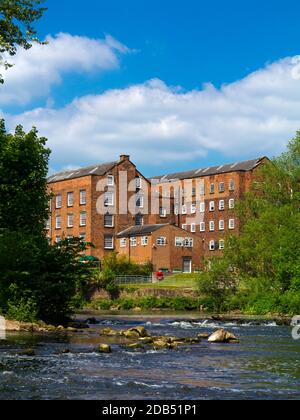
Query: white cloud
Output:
(38,69)
(153,122)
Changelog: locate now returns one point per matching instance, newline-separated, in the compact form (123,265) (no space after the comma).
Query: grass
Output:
(177,281)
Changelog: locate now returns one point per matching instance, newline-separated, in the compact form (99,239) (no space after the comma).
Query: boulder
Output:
(146,340)
(104,348)
(204,336)
(134,346)
(222,336)
(192,340)
(136,332)
(137,309)
(109,332)
(161,344)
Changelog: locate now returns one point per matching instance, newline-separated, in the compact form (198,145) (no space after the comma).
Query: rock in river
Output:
(222,336)
(104,348)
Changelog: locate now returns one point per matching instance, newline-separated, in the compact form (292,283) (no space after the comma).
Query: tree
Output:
(16,26)
(23,176)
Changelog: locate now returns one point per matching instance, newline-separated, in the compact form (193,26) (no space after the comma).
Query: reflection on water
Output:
(266,364)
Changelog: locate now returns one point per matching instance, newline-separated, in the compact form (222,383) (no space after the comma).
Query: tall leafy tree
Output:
(17,19)
(23,174)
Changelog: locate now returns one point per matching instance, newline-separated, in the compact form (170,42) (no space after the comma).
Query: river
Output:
(265,365)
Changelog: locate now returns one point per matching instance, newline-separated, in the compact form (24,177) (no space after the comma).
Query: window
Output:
(212,188)
(123,243)
(70,237)
(185,227)
(139,200)
(184,209)
(202,207)
(58,239)
(212,206)
(179,242)
(188,243)
(221,244)
(133,242)
(231,185)
(58,201)
(109,199)
(48,224)
(163,212)
(145,241)
(194,191)
(110,180)
(50,205)
(161,241)
(202,189)
(139,220)
(202,227)
(212,245)
(231,204)
(82,220)
(221,205)
(231,224)
(193,227)
(82,237)
(176,210)
(221,187)
(212,226)
(138,183)
(193,209)
(109,242)
(221,225)
(108,220)
(70,199)
(58,222)
(82,197)
(70,220)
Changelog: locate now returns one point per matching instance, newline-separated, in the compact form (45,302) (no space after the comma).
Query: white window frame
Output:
(231,203)
(139,197)
(82,219)
(202,189)
(193,208)
(70,217)
(161,241)
(179,242)
(212,188)
(212,206)
(221,225)
(176,210)
(70,199)
(58,239)
(82,237)
(123,242)
(188,243)
(232,185)
(58,201)
(231,224)
(138,182)
(58,222)
(184,209)
(222,205)
(222,187)
(212,245)
(184,226)
(109,199)
(202,207)
(133,242)
(193,228)
(82,197)
(141,216)
(163,212)
(106,237)
(221,244)
(212,226)
(112,218)
(48,224)
(202,227)
(144,241)
(110,181)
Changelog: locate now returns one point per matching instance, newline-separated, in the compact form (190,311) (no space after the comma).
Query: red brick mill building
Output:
(173,220)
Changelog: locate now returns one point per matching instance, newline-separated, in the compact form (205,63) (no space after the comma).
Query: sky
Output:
(176,84)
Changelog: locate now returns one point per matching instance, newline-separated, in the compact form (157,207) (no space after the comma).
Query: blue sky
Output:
(193,50)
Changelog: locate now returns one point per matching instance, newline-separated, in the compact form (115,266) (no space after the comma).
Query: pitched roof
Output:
(100,170)
(245,166)
(140,230)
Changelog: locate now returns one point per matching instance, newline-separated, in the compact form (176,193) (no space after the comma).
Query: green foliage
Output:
(266,254)
(23,171)
(122,266)
(16,25)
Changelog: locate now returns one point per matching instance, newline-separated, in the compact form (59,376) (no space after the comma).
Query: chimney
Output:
(124,158)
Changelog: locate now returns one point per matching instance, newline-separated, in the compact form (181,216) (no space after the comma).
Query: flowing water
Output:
(265,365)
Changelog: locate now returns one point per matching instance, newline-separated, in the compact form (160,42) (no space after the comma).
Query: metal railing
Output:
(133,280)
